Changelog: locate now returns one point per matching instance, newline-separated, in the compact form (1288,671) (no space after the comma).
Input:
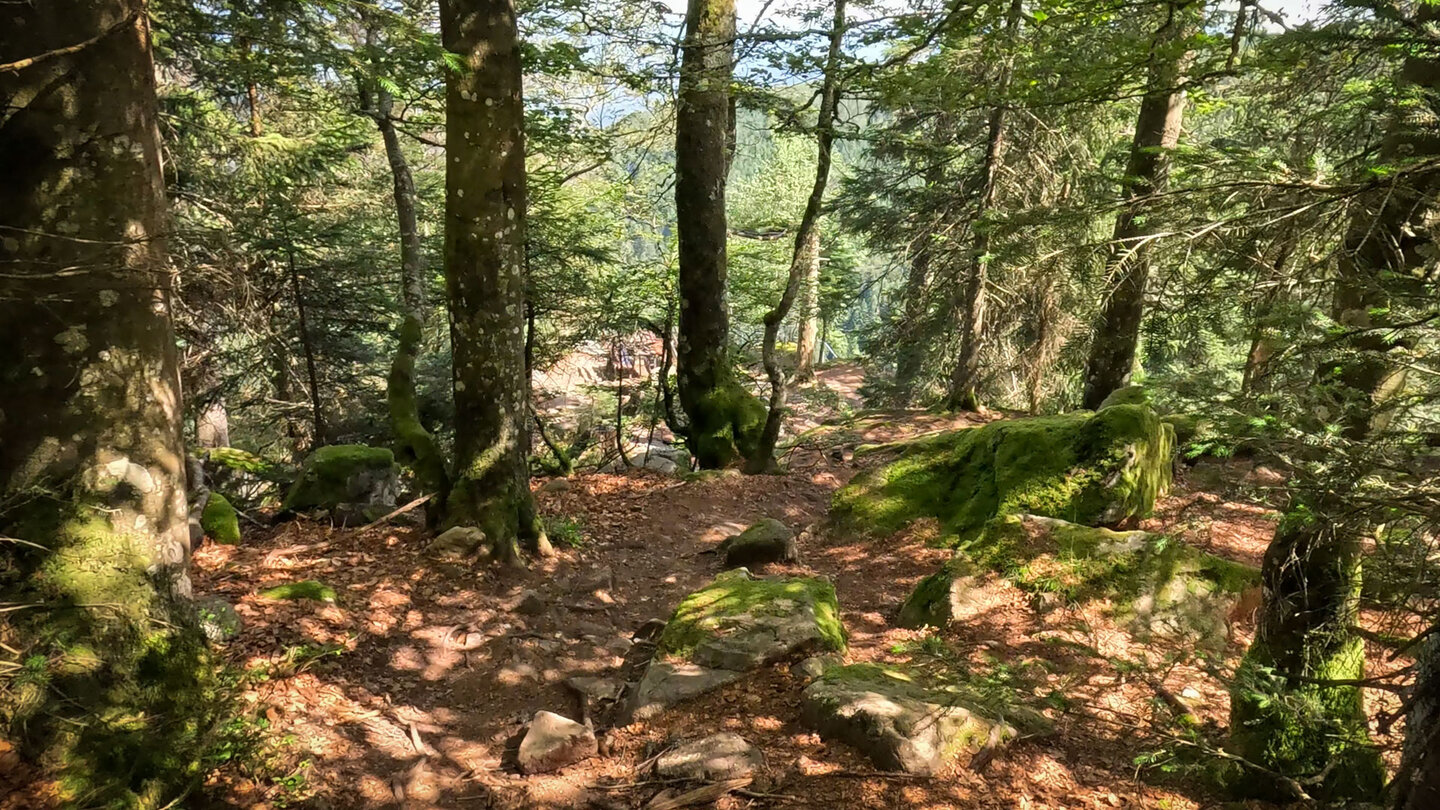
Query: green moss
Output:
(709,610)
(220,521)
(1081,467)
(414,446)
(1304,729)
(727,425)
(305,589)
(1129,395)
(931,604)
(327,474)
(118,699)
(241,461)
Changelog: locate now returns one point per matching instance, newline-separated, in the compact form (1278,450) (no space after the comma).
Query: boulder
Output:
(553,742)
(765,542)
(1157,585)
(456,542)
(1126,395)
(940,597)
(218,619)
(899,724)
(220,521)
(557,485)
(1094,469)
(346,474)
(531,603)
(712,759)
(734,624)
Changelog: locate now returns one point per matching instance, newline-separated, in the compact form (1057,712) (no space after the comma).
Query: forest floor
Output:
(370,702)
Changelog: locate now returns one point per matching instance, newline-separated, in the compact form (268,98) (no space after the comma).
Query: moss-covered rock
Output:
(938,598)
(217,618)
(1155,584)
(345,473)
(767,541)
(311,589)
(1129,395)
(738,622)
(734,624)
(1095,469)
(898,722)
(220,520)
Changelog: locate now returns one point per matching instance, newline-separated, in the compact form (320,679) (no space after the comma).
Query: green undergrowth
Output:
(710,610)
(1086,468)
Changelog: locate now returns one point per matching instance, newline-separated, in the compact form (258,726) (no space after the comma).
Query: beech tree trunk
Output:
(725,419)
(414,445)
(92,467)
(965,379)
(485,275)
(809,320)
(806,257)
(1157,131)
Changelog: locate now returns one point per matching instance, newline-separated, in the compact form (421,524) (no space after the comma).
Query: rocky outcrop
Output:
(219,520)
(1093,469)
(899,724)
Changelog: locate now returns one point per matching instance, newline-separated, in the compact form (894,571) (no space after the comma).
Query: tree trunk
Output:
(809,320)
(307,346)
(725,419)
(965,379)
(414,445)
(911,359)
(92,465)
(806,256)
(485,275)
(1312,568)
(1417,783)
(1157,131)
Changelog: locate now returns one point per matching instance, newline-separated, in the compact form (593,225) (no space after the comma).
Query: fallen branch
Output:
(402,510)
(701,795)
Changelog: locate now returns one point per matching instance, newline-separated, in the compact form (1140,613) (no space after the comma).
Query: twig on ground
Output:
(402,510)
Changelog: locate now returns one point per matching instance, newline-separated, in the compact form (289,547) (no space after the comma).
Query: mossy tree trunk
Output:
(485,275)
(971,296)
(725,419)
(415,447)
(1312,569)
(806,257)
(1157,131)
(92,468)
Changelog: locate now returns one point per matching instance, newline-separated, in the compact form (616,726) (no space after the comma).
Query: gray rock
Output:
(600,579)
(596,688)
(810,669)
(552,742)
(897,723)
(531,603)
(457,541)
(712,759)
(666,683)
(218,619)
(938,598)
(764,542)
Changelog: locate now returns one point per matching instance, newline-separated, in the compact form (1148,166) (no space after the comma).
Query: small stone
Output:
(619,646)
(596,688)
(531,603)
(553,742)
(1191,693)
(811,668)
(557,485)
(457,541)
(218,619)
(712,759)
(601,579)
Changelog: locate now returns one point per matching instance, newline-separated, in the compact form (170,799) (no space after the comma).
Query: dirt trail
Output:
(411,689)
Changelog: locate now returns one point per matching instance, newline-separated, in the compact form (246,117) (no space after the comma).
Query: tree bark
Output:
(307,346)
(725,419)
(806,257)
(1157,131)
(415,447)
(92,466)
(910,362)
(485,275)
(965,379)
(809,320)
